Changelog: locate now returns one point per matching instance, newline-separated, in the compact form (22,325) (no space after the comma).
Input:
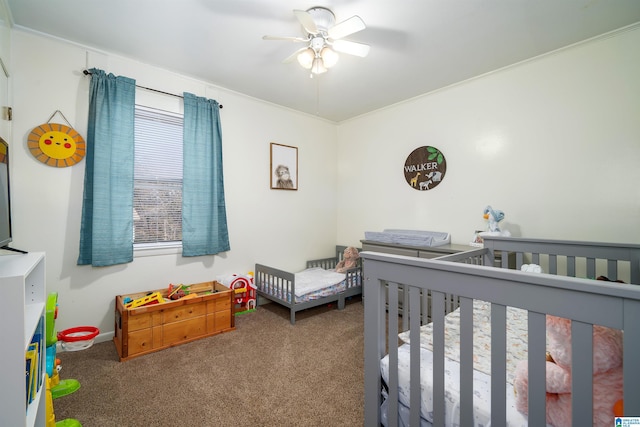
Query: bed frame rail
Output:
(570,258)
(591,303)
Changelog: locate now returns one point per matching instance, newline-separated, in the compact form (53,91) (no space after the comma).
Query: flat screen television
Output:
(5,202)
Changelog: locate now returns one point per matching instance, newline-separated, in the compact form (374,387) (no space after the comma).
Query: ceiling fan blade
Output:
(307,21)
(290,39)
(293,56)
(351,48)
(345,28)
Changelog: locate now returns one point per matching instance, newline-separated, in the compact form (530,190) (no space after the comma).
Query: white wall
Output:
(553,142)
(5,70)
(279,228)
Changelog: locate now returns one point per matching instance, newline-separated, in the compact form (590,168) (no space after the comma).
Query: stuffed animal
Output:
(494,216)
(607,374)
(349,259)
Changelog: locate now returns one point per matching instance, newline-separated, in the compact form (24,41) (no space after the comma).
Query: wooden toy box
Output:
(150,328)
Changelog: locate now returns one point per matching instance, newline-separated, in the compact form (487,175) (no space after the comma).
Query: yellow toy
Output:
(154,298)
(50,415)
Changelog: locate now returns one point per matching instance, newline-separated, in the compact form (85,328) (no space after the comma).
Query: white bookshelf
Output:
(22,307)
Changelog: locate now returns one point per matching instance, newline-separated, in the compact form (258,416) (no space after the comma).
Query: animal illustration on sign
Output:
(425,168)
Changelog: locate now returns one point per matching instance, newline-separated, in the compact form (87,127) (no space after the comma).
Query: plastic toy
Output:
(154,298)
(244,289)
(78,338)
(175,292)
(50,415)
(59,387)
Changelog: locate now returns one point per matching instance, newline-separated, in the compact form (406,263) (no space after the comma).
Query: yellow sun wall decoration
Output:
(56,145)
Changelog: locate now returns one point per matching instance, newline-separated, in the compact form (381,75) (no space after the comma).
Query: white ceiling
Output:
(417,46)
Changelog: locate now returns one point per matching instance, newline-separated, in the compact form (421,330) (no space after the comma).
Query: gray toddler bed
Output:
(279,286)
(406,384)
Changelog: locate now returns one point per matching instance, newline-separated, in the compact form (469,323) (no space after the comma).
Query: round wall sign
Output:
(425,168)
(56,145)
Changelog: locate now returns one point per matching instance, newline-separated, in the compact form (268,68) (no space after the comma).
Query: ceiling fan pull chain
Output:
(317,95)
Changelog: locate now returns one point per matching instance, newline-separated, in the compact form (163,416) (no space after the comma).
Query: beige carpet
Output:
(265,373)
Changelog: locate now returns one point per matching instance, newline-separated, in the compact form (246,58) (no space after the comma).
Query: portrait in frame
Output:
(284,167)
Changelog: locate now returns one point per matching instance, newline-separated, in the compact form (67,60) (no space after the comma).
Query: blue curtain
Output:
(106,230)
(204,217)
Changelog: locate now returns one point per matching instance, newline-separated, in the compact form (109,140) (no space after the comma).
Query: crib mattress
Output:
(516,337)
(516,351)
(481,392)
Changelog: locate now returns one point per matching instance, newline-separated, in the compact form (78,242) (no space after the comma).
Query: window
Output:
(157,192)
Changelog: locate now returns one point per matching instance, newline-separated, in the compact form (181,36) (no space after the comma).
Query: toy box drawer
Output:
(182,313)
(177,332)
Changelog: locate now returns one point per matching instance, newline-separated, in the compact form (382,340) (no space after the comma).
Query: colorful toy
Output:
(154,298)
(50,415)
(55,387)
(78,338)
(244,289)
(175,292)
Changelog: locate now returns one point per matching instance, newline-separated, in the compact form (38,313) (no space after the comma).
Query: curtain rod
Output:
(87,72)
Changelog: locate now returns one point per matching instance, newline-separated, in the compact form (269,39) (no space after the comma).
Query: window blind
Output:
(157,195)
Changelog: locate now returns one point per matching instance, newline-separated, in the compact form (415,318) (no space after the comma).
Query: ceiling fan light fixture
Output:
(318,66)
(329,57)
(306,57)
(323,39)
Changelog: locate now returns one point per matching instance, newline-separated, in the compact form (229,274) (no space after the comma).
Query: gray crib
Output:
(431,288)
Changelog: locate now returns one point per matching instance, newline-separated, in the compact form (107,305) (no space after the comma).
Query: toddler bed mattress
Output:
(516,351)
(314,283)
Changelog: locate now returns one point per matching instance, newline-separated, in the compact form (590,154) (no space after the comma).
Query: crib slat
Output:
(631,351)
(504,259)
(374,346)
(553,264)
(425,308)
(612,269)
(519,260)
(635,271)
(535,258)
(405,307)
(571,266)
(582,373)
(392,340)
(498,364)
(537,343)
(437,305)
(414,349)
(591,268)
(466,361)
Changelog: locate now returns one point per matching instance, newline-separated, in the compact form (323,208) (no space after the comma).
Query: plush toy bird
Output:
(494,217)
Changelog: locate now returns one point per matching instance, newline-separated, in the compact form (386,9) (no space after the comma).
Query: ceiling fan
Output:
(323,39)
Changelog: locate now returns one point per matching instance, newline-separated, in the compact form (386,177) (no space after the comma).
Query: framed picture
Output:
(284,167)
